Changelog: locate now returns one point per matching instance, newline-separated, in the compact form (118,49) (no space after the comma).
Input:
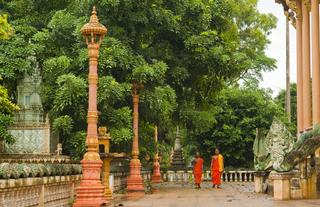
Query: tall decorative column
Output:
(156,175)
(135,183)
(306,67)
(91,191)
(299,68)
(315,62)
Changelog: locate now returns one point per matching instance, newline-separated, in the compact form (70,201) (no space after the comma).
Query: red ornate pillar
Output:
(156,175)
(135,183)
(91,191)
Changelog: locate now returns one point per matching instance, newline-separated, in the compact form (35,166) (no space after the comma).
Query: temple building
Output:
(304,15)
(304,180)
(31,127)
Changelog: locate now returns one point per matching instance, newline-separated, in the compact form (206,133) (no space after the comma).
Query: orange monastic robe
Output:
(216,169)
(197,170)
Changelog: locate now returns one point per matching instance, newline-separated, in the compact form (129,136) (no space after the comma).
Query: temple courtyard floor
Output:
(231,195)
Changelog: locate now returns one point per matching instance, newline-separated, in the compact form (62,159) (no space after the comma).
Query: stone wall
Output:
(29,138)
(50,191)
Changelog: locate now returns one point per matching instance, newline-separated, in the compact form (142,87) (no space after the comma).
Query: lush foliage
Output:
(6,115)
(7,107)
(281,100)
(184,52)
(5,28)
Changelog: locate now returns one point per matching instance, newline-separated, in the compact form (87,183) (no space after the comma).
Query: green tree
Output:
(7,107)
(184,52)
(236,113)
(5,28)
(6,115)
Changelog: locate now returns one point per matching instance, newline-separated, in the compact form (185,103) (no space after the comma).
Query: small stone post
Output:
(259,179)
(281,185)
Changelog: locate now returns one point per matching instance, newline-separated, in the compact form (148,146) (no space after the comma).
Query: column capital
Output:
(307,3)
(136,88)
(293,5)
(291,17)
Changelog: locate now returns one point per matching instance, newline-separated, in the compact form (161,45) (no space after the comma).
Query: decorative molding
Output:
(307,3)
(292,4)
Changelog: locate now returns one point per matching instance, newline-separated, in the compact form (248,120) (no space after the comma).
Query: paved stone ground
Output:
(231,195)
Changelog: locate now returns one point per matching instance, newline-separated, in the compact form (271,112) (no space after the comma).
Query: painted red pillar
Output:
(90,193)
(156,175)
(135,186)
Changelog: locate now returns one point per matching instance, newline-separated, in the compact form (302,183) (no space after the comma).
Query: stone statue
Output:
(270,150)
(306,145)
(262,157)
(280,143)
(59,149)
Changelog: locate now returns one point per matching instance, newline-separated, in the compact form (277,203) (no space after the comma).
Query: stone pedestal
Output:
(296,192)
(156,175)
(281,185)
(91,191)
(105,178)
(259,181)
(135,187)
(309,187)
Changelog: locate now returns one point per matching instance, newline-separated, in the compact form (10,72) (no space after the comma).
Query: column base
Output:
(134,195)
(134,181)
(156,176)
(108,194)
(156,179)
(281,185)
(90,193)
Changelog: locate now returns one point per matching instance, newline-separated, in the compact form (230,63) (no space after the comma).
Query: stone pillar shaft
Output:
(135,183)
(156,176)
(135,144)
(315,62)
(92,130)
(306,67)
(299,71)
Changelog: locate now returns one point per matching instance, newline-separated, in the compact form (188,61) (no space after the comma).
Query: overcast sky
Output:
(276,79)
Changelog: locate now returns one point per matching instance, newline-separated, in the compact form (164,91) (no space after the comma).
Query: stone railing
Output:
(118,180)
(35,158)
(24,170)
(38,191)
(227,176)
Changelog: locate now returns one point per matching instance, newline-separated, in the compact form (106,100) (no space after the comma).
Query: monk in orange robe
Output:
(216,168)
(197,170)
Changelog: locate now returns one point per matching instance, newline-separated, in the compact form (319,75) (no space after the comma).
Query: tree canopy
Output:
(184,53)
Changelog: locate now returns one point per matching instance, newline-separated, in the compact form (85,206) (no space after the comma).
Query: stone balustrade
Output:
(38,191)
(227,176)
(24,170)
(35,158)
(118,180)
